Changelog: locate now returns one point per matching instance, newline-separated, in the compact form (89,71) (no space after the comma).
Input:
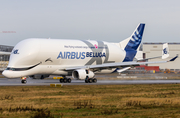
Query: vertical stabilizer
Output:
(165,51)
(134,40)
(131,44)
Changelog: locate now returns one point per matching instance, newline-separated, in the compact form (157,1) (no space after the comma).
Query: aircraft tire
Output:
(65,80)
(86,81)
(69,80)
(90,80)
(94,80)
(61,80)
(23,81)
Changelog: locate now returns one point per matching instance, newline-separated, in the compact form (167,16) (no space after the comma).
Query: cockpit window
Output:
(16,69)
(10,69)
(22,69)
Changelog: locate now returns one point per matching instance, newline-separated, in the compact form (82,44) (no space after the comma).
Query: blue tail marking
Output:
(134,42)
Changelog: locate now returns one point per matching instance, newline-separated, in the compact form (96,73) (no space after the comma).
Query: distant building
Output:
(4,48)
(4,58)
(155,49)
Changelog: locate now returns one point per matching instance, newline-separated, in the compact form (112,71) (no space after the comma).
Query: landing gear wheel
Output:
(61,80)
(23,81)
(94,80)
(86,81)
(65,80)
(69,80)
(90,80)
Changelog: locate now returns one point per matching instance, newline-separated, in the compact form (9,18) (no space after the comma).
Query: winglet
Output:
(173,58)
(165,51)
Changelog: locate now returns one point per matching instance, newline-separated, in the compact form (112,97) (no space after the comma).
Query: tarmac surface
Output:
(38,82)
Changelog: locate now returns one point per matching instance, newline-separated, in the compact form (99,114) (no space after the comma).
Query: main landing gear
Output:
(65,80)
(23,80)
(90,80)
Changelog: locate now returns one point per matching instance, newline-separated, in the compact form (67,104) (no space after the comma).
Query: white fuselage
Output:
(51,56)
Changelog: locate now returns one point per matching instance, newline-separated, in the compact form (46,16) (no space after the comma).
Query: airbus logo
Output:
(165,51)
(15,52)
(80,55)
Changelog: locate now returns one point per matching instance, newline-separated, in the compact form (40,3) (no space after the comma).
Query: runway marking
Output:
(127,77)
(56,85)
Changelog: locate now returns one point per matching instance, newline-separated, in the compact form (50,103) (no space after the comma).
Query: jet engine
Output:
(38,76)
(82,74)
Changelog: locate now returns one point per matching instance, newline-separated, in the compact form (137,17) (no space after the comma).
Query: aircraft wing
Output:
(116,65)
(149,58)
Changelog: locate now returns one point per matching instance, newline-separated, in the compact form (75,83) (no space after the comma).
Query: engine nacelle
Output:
(38,76)
(82,74)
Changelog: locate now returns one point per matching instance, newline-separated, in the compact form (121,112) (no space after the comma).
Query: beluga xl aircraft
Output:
(81,59)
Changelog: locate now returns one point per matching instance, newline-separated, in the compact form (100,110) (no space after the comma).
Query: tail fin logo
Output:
(165,51)
(135,39)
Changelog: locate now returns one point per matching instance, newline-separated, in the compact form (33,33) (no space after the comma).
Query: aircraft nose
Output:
(6,74)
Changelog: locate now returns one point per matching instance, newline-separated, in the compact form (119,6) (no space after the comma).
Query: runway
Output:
(37,82)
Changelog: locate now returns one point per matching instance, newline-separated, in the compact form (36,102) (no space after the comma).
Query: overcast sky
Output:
(105,20)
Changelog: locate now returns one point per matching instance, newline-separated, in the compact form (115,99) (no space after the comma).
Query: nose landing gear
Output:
(23,80)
